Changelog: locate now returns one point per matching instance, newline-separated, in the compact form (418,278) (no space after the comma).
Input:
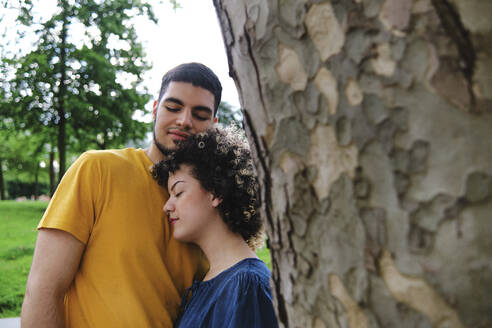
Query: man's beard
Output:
(163,149)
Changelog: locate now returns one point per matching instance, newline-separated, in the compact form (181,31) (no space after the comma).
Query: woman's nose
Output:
(167,207)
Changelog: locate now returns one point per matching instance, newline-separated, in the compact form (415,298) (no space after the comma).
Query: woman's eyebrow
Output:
(174,184)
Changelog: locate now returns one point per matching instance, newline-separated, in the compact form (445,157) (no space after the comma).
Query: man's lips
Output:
(173,220)
(179,135)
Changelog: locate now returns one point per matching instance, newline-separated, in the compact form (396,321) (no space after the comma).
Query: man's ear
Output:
(216,119)
(154,109)
(215,200)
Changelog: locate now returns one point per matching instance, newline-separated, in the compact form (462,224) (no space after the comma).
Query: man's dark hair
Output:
(198,75)
(221,161)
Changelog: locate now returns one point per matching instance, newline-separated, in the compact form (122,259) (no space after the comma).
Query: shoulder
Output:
(252,267)
(249,273)
(246,298)
(109,154)
(110,157)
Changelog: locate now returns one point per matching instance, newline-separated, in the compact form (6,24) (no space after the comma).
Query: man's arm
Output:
(55,262)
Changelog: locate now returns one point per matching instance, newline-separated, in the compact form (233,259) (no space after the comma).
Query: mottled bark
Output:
(371,121)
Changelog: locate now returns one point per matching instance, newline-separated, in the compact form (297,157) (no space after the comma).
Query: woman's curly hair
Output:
(221,161)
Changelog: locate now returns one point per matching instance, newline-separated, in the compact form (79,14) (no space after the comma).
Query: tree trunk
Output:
(371,123)
(61,95)
(2,183)
(52,172)
(36,183)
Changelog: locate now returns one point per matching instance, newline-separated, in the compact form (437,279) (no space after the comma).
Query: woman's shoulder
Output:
(248,271)
(246,297)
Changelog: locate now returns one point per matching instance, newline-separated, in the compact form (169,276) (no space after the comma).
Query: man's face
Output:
(183,110)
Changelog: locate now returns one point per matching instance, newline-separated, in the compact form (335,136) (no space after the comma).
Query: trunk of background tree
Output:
(36,183)
(371,121)
(61,96)
(2,183)
(52,172)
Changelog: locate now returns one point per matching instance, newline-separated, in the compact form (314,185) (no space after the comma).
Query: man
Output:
(104,254)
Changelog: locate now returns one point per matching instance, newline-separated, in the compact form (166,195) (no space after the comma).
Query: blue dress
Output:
(238,297)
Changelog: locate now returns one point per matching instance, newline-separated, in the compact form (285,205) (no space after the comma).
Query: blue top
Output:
(238,297)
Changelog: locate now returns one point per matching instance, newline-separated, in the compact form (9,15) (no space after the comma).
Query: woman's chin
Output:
(180,238)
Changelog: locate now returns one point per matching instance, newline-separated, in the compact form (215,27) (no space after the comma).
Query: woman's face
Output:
(190,208)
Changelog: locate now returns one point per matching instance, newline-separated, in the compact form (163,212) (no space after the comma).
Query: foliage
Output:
(18,188)
(21,155)
(264,255)
(228,114)
(18,221)
(80,85)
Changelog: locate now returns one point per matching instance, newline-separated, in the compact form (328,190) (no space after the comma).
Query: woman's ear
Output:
(215,200)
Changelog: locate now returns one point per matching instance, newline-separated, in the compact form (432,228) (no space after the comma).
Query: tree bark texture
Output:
(371,123)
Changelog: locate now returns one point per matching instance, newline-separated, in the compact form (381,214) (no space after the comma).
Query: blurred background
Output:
(78,75)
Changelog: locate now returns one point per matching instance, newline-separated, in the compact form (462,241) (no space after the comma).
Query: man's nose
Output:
(184,118)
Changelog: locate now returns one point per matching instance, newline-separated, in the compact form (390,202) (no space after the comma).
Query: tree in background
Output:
(372,126)
(4,154)
(80,85)
(227,114)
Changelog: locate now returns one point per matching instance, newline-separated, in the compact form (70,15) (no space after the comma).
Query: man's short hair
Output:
(198,75)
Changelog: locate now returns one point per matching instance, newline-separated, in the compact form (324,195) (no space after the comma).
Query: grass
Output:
(18,221)
(264,255)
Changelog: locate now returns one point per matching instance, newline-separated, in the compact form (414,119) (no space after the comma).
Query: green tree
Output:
(227,114)
(80,82)
(3,153)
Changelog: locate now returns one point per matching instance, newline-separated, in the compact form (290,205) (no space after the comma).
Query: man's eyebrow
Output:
(174,100)
(174,184)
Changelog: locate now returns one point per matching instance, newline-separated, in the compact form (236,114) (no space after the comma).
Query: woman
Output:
(212,186)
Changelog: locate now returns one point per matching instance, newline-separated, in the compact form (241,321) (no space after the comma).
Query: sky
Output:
(189,33)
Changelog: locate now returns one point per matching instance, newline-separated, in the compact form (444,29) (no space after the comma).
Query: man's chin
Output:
(164,149)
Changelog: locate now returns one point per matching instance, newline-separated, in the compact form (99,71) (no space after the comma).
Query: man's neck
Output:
(153,153)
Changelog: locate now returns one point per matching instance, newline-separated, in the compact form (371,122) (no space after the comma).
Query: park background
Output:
(184,32)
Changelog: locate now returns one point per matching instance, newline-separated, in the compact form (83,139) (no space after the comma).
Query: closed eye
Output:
(173,109)
(200,117)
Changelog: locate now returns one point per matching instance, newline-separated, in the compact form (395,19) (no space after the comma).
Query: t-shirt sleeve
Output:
(73,206)
(246,301)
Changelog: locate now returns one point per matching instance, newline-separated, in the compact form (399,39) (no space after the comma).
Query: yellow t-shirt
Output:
(132,272)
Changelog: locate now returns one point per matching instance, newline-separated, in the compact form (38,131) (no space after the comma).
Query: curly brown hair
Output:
(221,161)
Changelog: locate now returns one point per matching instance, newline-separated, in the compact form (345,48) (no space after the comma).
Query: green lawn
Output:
(18,221)
(264,254)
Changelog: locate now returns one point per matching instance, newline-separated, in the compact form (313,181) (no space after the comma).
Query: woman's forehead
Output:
(183,173)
